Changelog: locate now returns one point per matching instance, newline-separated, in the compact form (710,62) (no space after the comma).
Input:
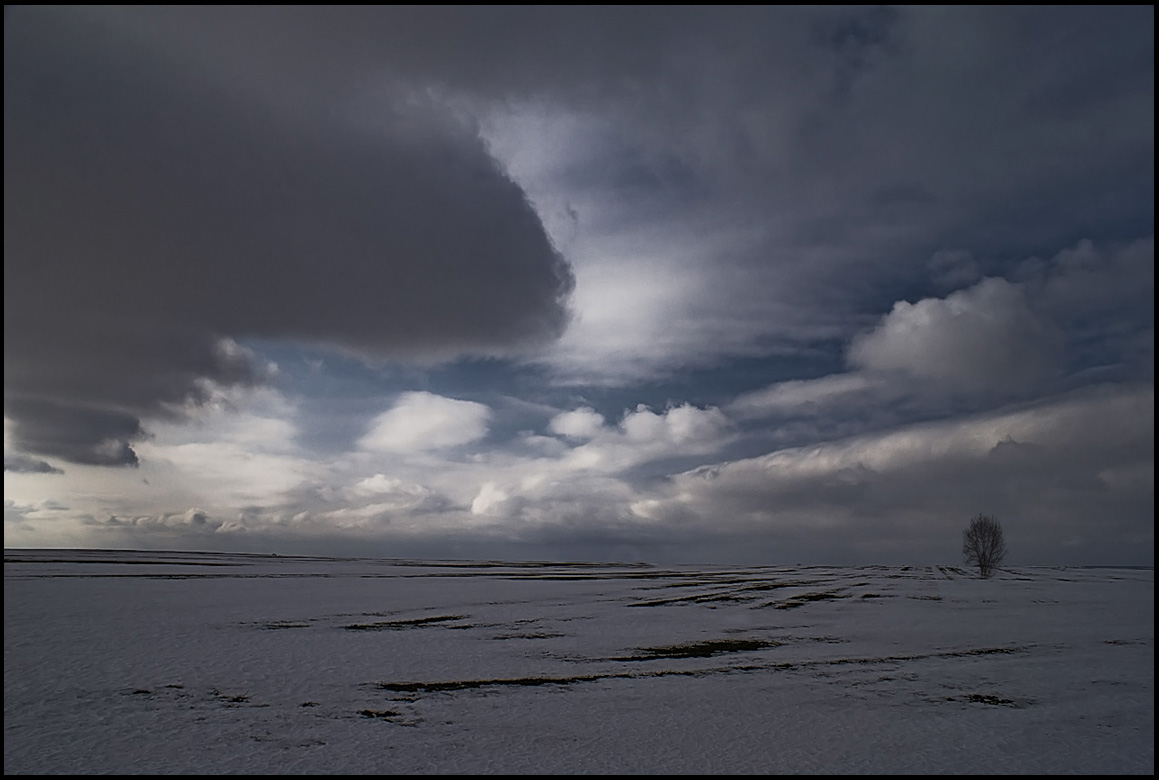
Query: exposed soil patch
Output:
(459,685)
(378,713)
(699,649)
(805,598)
(395,625)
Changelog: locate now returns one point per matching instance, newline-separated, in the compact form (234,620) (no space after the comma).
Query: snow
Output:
(149,662)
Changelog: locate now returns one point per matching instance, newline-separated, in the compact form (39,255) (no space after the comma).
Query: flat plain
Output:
(178,662)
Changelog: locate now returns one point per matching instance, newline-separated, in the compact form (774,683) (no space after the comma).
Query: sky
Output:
(745,285)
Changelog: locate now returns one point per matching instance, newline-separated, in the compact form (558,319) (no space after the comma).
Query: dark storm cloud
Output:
(825,155)
(96,437)
(153,211)
(22,464)
(175,175)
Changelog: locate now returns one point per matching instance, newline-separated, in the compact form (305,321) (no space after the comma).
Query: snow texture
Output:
(148,662)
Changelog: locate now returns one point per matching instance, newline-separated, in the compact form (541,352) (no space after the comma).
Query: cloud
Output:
(743,187)
(394,495)
(801,397)
(1096,279)
(644,435)
(1049,327)
(584,423)
(1075,464)
(18,510)
(490,500)
(241,450)
(984,338)
(421,421)
(835,203)
(954,268)
(166,211)
(1102,294)
(167,525)
(72,432)
(22,464)
(683,427)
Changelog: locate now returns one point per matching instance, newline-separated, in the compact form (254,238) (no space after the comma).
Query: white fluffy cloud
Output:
(645,435)
(423,421)
(489,501)
(983,338)
(584,423)
(588,475)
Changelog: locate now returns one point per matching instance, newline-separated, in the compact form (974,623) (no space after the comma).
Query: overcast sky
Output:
(750,285)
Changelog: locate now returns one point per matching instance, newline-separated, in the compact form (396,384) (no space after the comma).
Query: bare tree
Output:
(983,544)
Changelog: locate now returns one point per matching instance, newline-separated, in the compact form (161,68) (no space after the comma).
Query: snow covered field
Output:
(195,662)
